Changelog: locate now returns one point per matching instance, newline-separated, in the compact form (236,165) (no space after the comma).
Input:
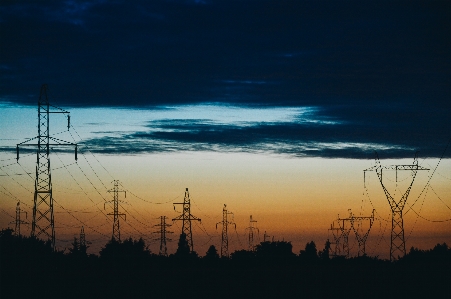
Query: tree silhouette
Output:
(183,247)
(325,253)
(212,253)
(78,250)
(274,252)
(127,250)
(309,254)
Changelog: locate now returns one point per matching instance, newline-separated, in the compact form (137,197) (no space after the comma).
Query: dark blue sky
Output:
(382,69)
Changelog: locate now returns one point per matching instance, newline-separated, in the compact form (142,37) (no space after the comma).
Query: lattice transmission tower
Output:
(225,237)
(18,221)
(345,229)
(266,236)
(336,233)
(397,240)
(163,225)
(251,230)
(82,238)
(357,227)
(186,218)
(116,215)
(43,221)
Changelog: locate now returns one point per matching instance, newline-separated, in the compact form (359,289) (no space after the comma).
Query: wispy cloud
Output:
(308,132)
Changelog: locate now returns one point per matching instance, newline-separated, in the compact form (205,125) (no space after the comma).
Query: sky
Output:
(272,107)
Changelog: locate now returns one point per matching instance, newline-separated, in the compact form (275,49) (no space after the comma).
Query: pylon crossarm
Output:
(28,140)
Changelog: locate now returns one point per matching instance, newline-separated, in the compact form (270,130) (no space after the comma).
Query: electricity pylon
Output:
(18,222)
(82,238)
(43,222)
(336,233)
(265,236)
(116,215)
(225,237)
(345,229)
(186,218)
(397,240)
(361,238)
(251,229)
(163,238)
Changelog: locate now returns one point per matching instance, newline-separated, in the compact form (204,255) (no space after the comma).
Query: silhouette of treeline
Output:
(29,268)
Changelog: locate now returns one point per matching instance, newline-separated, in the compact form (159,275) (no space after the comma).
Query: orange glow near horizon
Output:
(292,199)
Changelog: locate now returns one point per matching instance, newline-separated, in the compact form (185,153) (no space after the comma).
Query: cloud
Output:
(116,53)
(319,133)
(379,73)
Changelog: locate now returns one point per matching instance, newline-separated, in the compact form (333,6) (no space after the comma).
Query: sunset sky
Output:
(274,108)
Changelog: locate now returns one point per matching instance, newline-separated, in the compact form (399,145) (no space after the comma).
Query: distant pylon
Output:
(361,238)
(345,229)
(18,222)
(265,236)
(397,242)
(163,238)
(116,215)
(225,237)
(337,234)
(186,218)
(251,229)
(82,237)
(43,223)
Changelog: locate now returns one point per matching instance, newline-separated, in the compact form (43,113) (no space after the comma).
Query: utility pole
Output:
(186,218)
(225,237)
(43,222)
(397,240)
(361,239)
(163,238)
(18,222)
(251,229)
(116,215)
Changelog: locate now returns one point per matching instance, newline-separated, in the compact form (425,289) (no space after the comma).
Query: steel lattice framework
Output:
(251,229)
(163,238)
(336,233)
(82,237)
(43,223)
(361,238)
(397,240)
(345,229)
(186,218)
(18,221)
(116,215)
(225,237)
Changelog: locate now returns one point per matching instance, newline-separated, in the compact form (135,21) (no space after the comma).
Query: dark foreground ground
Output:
(30,271)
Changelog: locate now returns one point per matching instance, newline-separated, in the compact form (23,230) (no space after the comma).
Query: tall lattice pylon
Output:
(225,237)
(43,223)
(186,218)
(82,237)
(116,215)
(18,221)
(360,233)
(336,233)
(251,230)
(162,231)
(397,240)
(345,229)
